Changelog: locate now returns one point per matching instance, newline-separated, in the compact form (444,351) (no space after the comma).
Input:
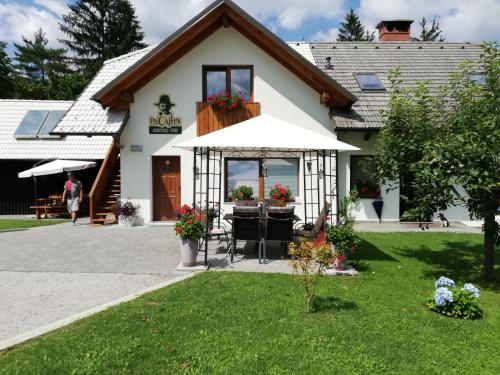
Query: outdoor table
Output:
(229,218)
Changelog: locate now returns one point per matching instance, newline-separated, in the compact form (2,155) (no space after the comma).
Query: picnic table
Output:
(51,206)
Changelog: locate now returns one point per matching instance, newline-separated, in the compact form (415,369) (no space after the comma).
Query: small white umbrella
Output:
(57,166)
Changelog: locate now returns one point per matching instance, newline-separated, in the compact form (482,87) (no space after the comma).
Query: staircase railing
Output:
(96,194)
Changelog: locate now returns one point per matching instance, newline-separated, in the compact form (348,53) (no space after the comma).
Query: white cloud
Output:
(460,20)
(159,19)
(326,36)
(18,20)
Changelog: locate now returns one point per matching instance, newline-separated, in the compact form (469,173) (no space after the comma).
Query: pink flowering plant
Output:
(225,102)
(188,225)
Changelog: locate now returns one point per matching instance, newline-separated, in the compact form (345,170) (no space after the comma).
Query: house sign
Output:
(165,122)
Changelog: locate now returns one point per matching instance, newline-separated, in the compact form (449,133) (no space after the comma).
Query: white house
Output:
(154,99)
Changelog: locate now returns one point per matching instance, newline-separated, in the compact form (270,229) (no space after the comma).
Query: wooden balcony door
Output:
(166,187)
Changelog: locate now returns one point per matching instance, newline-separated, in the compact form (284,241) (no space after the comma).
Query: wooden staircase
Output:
(106,189)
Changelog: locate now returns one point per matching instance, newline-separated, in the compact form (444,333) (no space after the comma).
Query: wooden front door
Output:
(166,187)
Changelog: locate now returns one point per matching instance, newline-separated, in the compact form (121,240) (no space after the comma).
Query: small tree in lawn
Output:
(309,261)
(452,138)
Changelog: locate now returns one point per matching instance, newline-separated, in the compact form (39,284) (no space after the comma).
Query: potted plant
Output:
(190,229)
(224,102)
(208,215)
(243,195)
(343,240)
(127,212)
(281,195)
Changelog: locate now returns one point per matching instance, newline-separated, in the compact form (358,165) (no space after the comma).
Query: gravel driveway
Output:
(50,273)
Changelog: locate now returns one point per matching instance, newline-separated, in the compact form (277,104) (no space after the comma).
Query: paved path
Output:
(49,273)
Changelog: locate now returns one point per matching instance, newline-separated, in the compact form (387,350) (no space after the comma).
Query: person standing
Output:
(73,195)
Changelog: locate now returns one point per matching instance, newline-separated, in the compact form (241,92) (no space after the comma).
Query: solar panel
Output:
(369,81)
(50,123)
(30,124)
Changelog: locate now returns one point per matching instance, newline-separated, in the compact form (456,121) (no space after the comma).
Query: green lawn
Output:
(27,223)
(240,323)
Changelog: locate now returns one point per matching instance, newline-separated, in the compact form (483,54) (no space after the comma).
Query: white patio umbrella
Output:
(267,132)
(57,166)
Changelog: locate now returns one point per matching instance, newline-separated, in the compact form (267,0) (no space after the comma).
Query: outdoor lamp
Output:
(264,168)
(309,165)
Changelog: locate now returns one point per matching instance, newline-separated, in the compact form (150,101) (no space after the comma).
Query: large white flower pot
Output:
(189,252)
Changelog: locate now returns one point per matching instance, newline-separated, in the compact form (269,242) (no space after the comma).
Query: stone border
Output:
(6,344)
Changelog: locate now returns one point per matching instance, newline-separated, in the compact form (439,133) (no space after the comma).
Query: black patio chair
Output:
(278,227)
(246,227)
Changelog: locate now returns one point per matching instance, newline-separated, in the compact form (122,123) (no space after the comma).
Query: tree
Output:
(99,30)
(6,73)
(432,34)
(437,141)
(353,30)
(38,67)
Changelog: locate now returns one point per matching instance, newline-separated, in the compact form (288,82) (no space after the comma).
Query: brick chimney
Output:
(394,30)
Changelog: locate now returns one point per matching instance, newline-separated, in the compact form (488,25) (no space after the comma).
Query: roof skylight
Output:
(38,124)
(369,81)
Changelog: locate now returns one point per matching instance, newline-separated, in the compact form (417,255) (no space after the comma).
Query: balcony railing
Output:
(208,120)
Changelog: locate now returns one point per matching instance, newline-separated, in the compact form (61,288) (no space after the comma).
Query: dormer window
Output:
(235,79)
(477,78)
(369,81)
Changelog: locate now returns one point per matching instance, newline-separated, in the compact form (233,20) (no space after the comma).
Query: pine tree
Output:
(98,30)
(432,34)
(353,30)
(38,66)
(6,74)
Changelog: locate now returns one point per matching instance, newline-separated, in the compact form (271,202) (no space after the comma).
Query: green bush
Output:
(343,237)
(456,302)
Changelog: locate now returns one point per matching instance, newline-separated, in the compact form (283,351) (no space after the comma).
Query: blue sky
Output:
(461,20)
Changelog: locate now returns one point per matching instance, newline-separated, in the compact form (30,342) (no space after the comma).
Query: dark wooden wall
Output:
(18,194)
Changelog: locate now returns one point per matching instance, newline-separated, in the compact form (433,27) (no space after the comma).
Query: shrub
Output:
(343,237)
(456,302)
(242,193)
(309,261)
(189,225)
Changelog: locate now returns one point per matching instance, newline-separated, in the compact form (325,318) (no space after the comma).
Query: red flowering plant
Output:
(225,102)
(366,189)
(188,225)
(280,193)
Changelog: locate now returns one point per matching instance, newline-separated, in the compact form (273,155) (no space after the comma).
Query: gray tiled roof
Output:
(12,113)
(87,116)
(418,61)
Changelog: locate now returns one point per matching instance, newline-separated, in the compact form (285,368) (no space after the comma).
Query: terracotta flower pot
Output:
(189,252)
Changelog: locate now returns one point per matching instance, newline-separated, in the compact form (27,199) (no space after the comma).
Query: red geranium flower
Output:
(341,258)
(179,229)
(190,221)
(198,217)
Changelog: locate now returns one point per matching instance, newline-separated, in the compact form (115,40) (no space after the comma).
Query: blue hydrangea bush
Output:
(456,302)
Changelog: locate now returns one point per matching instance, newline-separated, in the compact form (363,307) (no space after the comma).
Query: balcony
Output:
(208,120)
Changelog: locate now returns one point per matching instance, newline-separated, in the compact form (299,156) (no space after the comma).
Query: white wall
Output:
(280,93)
(365,211)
